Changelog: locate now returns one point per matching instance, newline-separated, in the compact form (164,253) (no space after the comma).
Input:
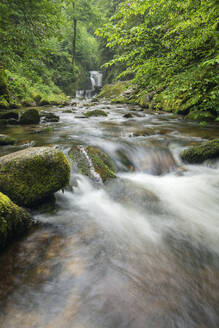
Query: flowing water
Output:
(141,251)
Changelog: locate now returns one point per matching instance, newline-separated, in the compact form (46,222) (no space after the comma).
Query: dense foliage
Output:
(169,47)
(36,48)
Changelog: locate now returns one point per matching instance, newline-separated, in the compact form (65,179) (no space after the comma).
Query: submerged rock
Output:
(14,220)
(31,116)
(49,117)
(32,175)
(6,140)
(9,114)
(92,162)
(199,154)
(96,112)
(128,115)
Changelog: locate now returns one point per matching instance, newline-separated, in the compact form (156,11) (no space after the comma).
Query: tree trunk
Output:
(74,38)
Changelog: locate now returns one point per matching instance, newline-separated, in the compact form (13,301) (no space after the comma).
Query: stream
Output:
(141,251)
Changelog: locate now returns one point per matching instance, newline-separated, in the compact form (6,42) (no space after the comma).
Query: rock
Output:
(32,175)
(92,162)
(6,140)
(30,116)
(49,117)
(199,154)
(14,221)
(144,132)
(12,121)
(8,114)
(96,112)
(128,115)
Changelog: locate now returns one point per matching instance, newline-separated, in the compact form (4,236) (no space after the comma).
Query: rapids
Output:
(141,251)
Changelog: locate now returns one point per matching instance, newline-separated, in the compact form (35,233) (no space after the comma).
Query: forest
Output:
(109,164)
(164,47)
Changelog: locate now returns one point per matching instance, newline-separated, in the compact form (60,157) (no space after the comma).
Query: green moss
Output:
(96,112)
(119,100)
(14,221)
(113,90)
(101,162)
(32,175)
(6,140)
(199,154)
(4,103)
(30,116)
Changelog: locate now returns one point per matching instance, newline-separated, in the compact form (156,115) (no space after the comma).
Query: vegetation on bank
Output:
(169,50)
(47,48)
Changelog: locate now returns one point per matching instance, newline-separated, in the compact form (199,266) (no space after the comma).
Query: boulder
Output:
(92,162)
(30,116)
(14,221)
(32,175)
(6,140)
(199,154)
(96,112)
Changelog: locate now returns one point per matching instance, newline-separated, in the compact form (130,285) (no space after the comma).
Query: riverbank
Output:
(192,105)
(18,91)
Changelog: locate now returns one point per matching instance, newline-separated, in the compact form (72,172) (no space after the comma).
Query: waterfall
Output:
(96,81)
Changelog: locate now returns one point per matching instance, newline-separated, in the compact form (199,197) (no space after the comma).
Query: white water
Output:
(141,251)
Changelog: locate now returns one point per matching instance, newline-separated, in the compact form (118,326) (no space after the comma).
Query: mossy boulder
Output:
(6,140)
(14,221)
(32,175)
(199,154)
(96,112)
(92,162)
(30,116)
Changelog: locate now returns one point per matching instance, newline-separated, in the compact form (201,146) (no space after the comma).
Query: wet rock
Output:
(12,121)
(199,154)
(9,114)
(14,221)
(128,115)
(68,111)
(49,117)
(144,132)
(32,175)
(30,116)
(96,112)
(6,140)
(92,162)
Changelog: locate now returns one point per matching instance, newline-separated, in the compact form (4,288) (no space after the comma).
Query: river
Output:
(141,251)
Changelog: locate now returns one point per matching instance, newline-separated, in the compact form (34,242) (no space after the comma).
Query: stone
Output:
(9,114)
(14,221)
(49,117)
(6,140)
(96,112)
(30,116)
(199,154)
(32,175)
(92,162)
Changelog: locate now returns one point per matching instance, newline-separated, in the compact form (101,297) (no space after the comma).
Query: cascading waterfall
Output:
(96,79)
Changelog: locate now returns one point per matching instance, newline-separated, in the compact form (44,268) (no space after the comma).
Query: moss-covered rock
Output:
(14,221)
(113,90)
(6,140)
(8,114)
(92,162)
(199,154)
(96,112)
(32,175)
(30,116)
